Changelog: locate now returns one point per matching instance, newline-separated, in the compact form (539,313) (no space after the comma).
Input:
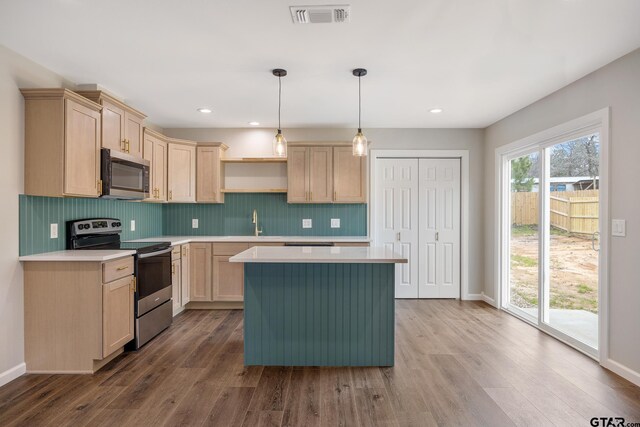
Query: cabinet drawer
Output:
(229,248)
(114,270)
(176,252)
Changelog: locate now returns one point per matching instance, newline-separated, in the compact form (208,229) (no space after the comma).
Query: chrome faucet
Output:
(255,221)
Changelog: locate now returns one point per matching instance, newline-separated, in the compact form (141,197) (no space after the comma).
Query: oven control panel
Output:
(96,226)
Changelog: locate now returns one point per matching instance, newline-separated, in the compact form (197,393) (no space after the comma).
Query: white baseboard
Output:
(13,373)
(623,371)
(488,300)
(473,297)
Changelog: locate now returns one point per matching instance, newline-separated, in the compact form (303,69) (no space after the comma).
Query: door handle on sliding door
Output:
(437,236)
(398,236)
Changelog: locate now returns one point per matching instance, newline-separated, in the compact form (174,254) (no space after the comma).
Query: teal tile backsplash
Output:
(276,218)
(37,213)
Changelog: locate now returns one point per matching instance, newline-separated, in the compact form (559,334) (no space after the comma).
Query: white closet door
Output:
(439,236)
(396,213)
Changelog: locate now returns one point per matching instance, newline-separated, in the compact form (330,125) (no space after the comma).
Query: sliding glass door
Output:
(550,245)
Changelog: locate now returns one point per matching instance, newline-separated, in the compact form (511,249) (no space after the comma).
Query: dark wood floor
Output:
(457,363)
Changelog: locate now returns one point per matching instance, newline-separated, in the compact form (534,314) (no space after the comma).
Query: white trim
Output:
(623,371)
(474,297)
(463,155)
(489,300)
(598,119)
(11,374)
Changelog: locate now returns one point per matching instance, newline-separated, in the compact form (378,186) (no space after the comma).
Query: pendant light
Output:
(279,141)
(359,141)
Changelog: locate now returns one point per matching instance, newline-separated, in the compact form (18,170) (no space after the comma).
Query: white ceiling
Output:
(478,60)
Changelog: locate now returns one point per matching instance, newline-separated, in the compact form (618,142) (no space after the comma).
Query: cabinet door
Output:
(133,126)
(320,174)
(208,176)
(82,150)
(117,314)
(112,127)
(349,176)
(297,175)
(200,272)
(147,154)
(185,281)
(182,173)
(159,166)
(176,285)
(228,279)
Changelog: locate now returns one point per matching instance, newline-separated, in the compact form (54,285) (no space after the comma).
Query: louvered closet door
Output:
(439,237)
(397,218)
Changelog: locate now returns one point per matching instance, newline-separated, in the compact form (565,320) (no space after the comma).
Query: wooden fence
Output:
(572,211)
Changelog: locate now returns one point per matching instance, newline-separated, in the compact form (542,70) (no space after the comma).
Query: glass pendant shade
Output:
(279,145)
(359,144)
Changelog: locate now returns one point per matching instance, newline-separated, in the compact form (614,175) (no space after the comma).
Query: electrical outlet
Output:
(306,223)
(54,231)
(194,223)
(335,222)
(618,227)
(133,225)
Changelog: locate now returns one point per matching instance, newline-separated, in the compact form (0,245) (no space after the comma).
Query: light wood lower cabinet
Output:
(74,321)
(176,284)
(185,281)
(200,271)
(117,314)
(228,279)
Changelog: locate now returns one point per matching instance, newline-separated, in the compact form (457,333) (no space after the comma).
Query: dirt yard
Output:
(574,270)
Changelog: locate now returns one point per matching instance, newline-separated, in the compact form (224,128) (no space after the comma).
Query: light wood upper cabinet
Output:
(320,175)
(327,173)
(122,126)
(200,271)
(297,174)
(349,176)
(156,152)
(209,172)
(62,141)
(181,171)
(117,314)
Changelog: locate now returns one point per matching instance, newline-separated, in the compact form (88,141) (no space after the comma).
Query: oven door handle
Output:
(149,255)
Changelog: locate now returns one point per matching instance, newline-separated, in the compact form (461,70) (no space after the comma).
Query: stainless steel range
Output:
(153,305)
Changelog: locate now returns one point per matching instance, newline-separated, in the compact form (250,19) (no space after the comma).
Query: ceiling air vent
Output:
(321,14)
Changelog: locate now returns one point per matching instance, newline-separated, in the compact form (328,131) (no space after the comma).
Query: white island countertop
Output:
(319,254)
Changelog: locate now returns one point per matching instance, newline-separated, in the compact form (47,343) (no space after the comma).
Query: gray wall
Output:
(15,72)
(616,85)
(257,143)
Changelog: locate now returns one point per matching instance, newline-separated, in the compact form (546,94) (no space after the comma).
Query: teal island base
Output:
(319,314)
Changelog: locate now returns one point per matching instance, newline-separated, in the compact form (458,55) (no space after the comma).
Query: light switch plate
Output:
(133,225)
(619,227)
(335,222)
(194,223)
(54,231)
(306,223)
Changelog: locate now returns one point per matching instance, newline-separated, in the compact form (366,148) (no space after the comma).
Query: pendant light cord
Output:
(359,104)
(279,100)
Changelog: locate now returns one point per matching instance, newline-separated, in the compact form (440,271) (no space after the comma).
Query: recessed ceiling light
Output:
(436,110)
(254,123)
(204,110)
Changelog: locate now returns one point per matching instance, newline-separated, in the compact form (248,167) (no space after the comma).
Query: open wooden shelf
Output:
(255,160)
(254,190)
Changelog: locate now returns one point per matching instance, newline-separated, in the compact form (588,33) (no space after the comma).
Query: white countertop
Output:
(181,240)
(77,255)
(106,255)
(318,254)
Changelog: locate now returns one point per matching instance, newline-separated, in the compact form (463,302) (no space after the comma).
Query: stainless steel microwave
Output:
(123,176)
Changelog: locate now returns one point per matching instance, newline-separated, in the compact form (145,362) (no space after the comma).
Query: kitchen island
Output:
(319,306)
